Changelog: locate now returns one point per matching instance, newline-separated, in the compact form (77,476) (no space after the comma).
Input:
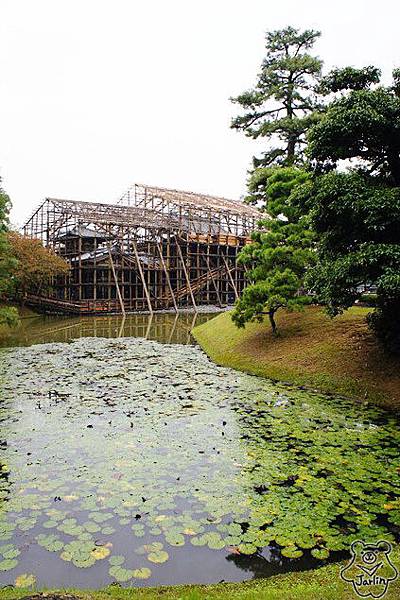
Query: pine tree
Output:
(280,107)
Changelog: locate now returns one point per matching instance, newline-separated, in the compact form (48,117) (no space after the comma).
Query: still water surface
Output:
(137,460)
(163,327)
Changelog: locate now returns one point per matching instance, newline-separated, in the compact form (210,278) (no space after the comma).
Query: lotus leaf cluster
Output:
(126,456)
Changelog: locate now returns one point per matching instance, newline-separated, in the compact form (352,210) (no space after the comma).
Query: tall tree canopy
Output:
(280,107)
(363,124)
(356,214)
(280,250)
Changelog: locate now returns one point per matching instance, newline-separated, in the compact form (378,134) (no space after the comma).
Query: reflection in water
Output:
(270,561)
(167,328)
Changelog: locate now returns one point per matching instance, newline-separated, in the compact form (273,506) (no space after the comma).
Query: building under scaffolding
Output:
(154,249)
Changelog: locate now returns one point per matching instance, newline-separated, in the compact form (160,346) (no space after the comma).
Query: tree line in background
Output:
(25,265)
(328,185)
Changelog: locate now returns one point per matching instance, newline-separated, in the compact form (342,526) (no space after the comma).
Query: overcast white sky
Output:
(98,94)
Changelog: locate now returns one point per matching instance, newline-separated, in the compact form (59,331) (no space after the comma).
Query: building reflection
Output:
(169,328)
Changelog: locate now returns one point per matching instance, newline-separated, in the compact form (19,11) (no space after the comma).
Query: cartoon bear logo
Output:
(370,570)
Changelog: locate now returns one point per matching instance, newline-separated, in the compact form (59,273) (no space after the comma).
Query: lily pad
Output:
(8,564)
(291,552)
(116,560)
(100,552)
(143,573)
(26,580)
(120,574)
(10,551)
(247,549)
(158,556)
(320,553)
(291,467)
(108,530)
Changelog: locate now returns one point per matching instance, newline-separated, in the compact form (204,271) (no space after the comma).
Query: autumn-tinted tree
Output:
(280,251)
(356,214)
(7,262)
(280,108)
(37,265)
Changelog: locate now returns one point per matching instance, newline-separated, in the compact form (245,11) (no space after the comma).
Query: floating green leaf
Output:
(320,553)
(291,466)
(25,581)
(121,574)
(143,573)
(291,552)
(8,564)
(158,556)
(116,560)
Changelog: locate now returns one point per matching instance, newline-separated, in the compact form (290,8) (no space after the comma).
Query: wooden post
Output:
(186,275)
(213,280)
(167,277)
(121,302)
(79,266)
(246,270)
(142,277)
(230,277)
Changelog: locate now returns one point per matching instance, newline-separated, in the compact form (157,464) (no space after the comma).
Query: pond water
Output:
(163,327)
(133,461)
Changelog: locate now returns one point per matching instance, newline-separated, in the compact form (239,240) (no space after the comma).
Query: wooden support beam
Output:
(142,277)
(246,270)
(167,277)
(120,300)
(230,277)
(186,276)
(207,261)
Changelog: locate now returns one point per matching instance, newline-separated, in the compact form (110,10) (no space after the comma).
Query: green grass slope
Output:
(339,356)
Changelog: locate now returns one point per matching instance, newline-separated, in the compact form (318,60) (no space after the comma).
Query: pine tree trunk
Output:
(291,150)
(271,315)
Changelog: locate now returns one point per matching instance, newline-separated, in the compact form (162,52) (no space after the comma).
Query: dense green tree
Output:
(280,250)
(270,188)
(281,106)
(363,125)
(356,214)
(7,261)
(349,78)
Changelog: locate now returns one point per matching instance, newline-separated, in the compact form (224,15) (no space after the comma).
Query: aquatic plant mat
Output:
(51,596)
(140,463)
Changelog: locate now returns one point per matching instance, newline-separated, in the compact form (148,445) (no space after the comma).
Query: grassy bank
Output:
(319,584)
(339,355)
